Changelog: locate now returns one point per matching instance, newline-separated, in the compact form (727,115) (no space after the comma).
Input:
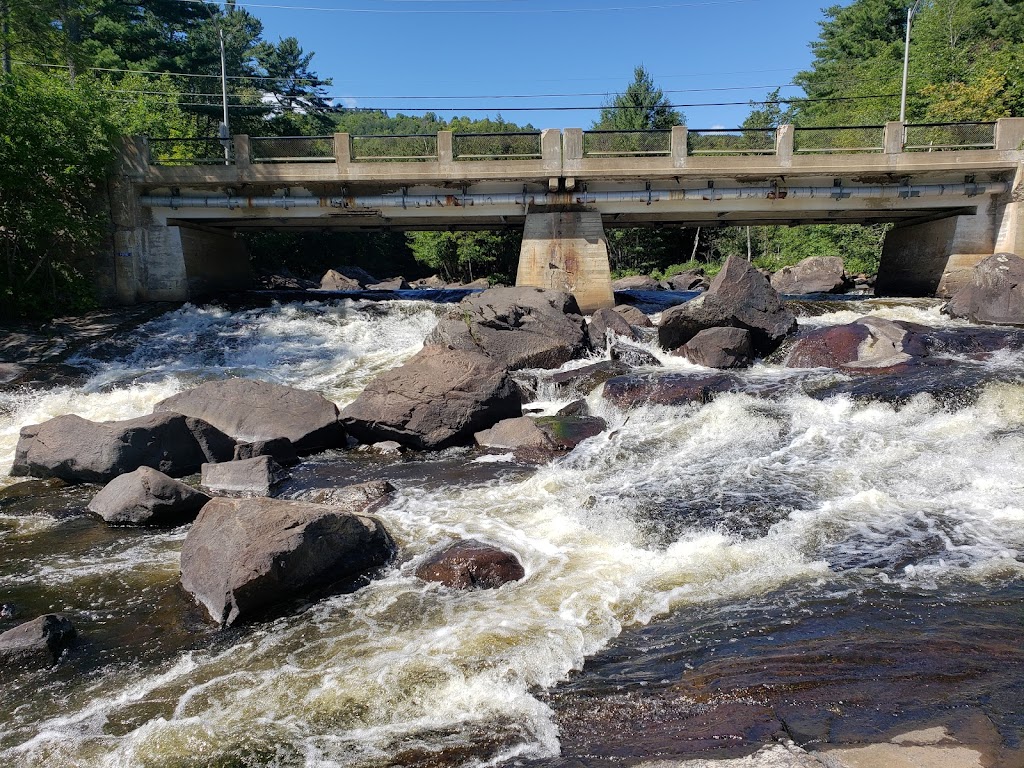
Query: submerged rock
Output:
(438,398)
(516,327)
(244,556)
(78,450)
(719,348)
(588,377)
(668,388)
(39,642)
(147,497)
(251,411)
(361,498)
(471,564)
(257,475)
(817,274)
(995,295)
(739,297)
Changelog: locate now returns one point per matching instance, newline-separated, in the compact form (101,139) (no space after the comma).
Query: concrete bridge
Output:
(954,191)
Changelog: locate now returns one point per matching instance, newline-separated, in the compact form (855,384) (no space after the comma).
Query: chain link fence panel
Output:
(627,143)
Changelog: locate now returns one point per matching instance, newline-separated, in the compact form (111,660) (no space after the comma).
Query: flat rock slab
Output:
(242,557)
(251,411)
(147,497)
(257,475)
(471,564)
(359,498)
(39,642)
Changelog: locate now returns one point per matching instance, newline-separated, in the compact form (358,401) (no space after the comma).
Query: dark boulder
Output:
(668,389)
(251,410)
(11,371)
(147,497)
(719,348)
(585,379)
(39,642)
(995,295)
(817,274)
(540,438)
(633,356)
(633,315)
(243,556)
(256,476)
(280,449)
(79,450)
(335,281)
(605,325)
(394,284)
(636,283)
(438,398)
(516,327)
(362,498)
(739,297)
(691,280)
(434,282)
(471,564)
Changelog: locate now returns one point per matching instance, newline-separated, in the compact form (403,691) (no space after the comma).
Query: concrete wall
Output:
(567,252)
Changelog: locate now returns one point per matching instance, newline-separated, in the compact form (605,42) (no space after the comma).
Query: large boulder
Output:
(719,348)
(739,297)
(868,345)
(817,274)
(251,410)
(147,497)
(605,325)
(39,642)
(280,449)
(691,280)
(256,476)
(79,450)
(471,564)
(633,315)
(541,438)
(517,327)
(393,284)
(243,556)
(636,283)
(438,398)
(335,281)
(995,295)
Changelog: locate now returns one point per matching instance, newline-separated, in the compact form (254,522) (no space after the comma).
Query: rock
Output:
(995,295)
(383,448)
(719,348)
(439,397)
(285,282)
(635,357)
(358,274)
(691,280)
(575,408)
(394,284)
(739,297)
(434,281)
(471,564)
(335,281)
(540,438)
(817,274)
(868,345)
(515,434)
(251,411)
(148,497)
(354,499)
(10,371)
(8,611)
(480,284)
(243,556)
(635,283)
(78,450)
(516,327)
(566,431)
(39,642)
(280,449)
(257,475)
(606,321)
(633,315)
(589,377)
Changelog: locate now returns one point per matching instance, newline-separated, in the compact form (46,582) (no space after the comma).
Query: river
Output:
(700,581)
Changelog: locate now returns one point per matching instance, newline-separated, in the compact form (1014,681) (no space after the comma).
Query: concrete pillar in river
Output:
(567,251)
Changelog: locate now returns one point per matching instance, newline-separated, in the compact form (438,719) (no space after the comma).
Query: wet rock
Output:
(817,274)
(256,476)
(539,439)
(719,348)
(995,295)
(280,449)
(286,282)
(739,297)
(471,564)
(633,356)
(440,397)
(335,281)
(868,345)
(8,611)
(515,434)
(516,327)
(11,371)
(691,280)
(362,498)
(668,389)
(953,385)
(394,284)
(588,377)
(605,322)
(575,408)
(39,642)
(383,448)
(633,315)
(566,431)
(635,283)
(147,497)
(244,556)
(251,411)
(78,450)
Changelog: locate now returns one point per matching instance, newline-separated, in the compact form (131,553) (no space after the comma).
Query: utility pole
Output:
(5,32)
(906,62)
(225,128)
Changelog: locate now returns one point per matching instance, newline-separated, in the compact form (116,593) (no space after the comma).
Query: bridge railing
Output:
(188,151)
(731,141)
(853,138)
(291,149)
(627,143)
(523,145)
(408,148)
(939,137)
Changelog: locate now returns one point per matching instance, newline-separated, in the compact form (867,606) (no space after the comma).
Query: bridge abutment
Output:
(567,252)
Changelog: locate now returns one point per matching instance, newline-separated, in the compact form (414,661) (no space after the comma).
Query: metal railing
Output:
(730,141)
(408,148)
(496,146)
(853,138)
(188,151)
(939,137)
(627,143)
(291,149)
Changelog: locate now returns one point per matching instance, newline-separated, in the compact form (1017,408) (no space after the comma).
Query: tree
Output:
(466,256)
(642,107)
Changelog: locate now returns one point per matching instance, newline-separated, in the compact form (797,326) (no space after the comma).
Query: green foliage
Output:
(311,254)
(466,256)
(643,106)
(54,153)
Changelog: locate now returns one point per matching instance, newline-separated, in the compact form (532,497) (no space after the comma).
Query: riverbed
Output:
(701,581)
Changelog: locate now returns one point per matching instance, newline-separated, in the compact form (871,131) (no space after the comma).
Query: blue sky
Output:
(445,52)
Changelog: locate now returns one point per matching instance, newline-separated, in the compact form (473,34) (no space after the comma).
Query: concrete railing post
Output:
(243,150)
(134,158)
(678,146)
(1010,133)
(784,144)
(895,133)
(342,149)
(551,151)
(445,148)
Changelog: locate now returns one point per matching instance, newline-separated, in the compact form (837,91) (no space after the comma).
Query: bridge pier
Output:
(567,251)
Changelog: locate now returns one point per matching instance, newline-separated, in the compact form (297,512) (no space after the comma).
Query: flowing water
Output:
(699,580)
